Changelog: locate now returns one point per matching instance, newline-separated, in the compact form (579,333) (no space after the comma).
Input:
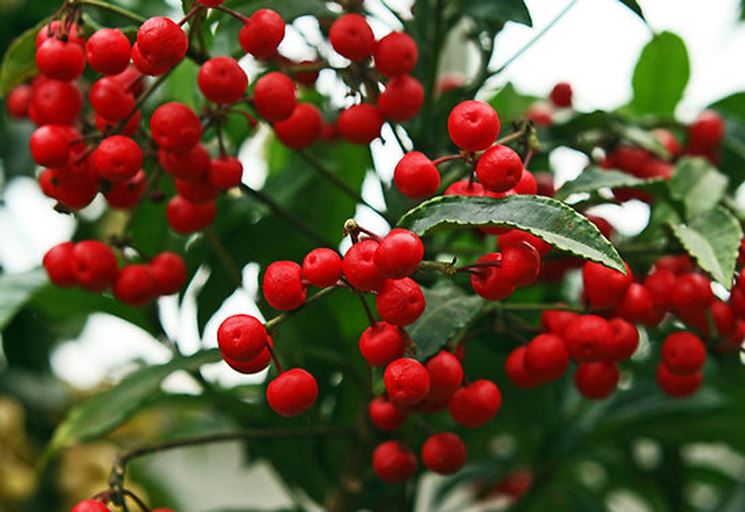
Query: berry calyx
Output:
(283,285)
(473,125)
(292,393)
(444,453)
(241,337)
(406,382)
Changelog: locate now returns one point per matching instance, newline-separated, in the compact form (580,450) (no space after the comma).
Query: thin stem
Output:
(224,256)
(136,499)
(189,15)
(513,136)
(111,8)
(270,348)
(397,136)
(365,305)
(520,306)
(232,12)
(278,320)
(447,158)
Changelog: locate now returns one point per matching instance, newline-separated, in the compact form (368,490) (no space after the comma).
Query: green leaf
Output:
(510,104)
(596,178)
(106,411)
(449,310)
(642,138)
(497,13)
(634,6)
(19,61)
(661,75)
(698,184)
(16,290)
(546,218)
(713,240)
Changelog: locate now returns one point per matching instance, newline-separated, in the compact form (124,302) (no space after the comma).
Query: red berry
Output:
(302,128)
(384,415)
(473,125)
(50,145)
(359,266)
(678,386)
(445,376)
(474,405)
(169,273)
(283,285)
(197,191)
(692,292)
(225,173)
(668,140)
(683,353)
(111,100)
(90,506)
(125,194)
(540,113)
(636,306)
(707,131)
(546,357)
(72,190)
(402,98)
(393,462)
(186,217)
(416,176)
(521,263)
(382,343)
(465,188)
(60,60)
(396,54)
(400,301)
(527,184)
(54,29)
(406,382)
(254,365)
(322,267)
(360,124)
(556,321)
(274,96)
(680,264)
(292,393)
(399,254)
(55,102)
(604,287)
(117,158)
(596,380)
(489,281)
(516,371)
(104,125)
(241,337)
(588,339)
(625,339)
(545,184)
(561,95)
(737,302)
(134,285)
(108,51)
(352,37)
(499,169)
(145,65)
(222,80)
(18,101)
(94,265)
(262,33)
(58,262)
(724,319)
(175,127)
(444,453)
(660,284)
(191,164)
(162,42)
(515,237)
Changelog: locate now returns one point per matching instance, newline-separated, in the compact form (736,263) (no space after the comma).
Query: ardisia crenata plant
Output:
(498,331)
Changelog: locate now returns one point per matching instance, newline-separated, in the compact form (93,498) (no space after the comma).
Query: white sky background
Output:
(594,47)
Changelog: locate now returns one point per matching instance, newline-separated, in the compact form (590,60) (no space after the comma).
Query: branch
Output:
(278,320)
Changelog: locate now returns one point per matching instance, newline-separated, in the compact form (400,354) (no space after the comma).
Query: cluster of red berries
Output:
(94,505)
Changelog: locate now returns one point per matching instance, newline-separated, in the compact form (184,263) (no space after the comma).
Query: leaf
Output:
(713,240)
(634,6)
(548,219)
(661,75)
(105,411)
(448,311)
(698,184)
(497,13)
(596,178)
(642,138)
(19,61)
(16,290)
(510,104)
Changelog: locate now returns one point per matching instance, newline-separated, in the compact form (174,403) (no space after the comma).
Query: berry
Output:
(399,254)
(680,264)
(90,506)
(58,262)
(490,281)
(445,376)
(72,190)
(636,306)
(293,392)
(474,405)
(724,319)
(707,131)
(133,124)
(521,264)
(254,365)
(416,176)
(186,217)
(175,127)
(625,339)
(125,194)
(18,101)
(352,37)
(596,380)
(359,266)
(191,164)
(659,284)
(111,100)
(402,98)
(540,113)
(117,158)
(108,51)
(516,372)
(465,188)
(146,66)
(283,285)
(561,95)
(222,80)
(515,237)
(400,301)
(322,267)
(262,33)
(169,273)
(60,60)
(162,42)
(473,125)
(197,191)
(556,321)
(50,145)
(384,415)
(691,292)
(396,54)
(683,353)
(546,358)
(360,124)
(55,102)
(53,29)
(302,128)
(499,169)
(406,382)
(382,343)
(444,453)
(667,139)
(737,302)
(225,173)
(678,386)
(94,265)
(241,337)
(604,287)
(527,184)
(588,339)
(393,462)
(134,285)
(274,96)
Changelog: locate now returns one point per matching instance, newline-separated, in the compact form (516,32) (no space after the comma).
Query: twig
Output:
(222,254)
(278,320)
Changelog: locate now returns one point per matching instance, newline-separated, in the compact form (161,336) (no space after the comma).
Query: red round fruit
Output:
(382,343)
(283,285)
(241,337)
(359,266)
(58,263)
(72,190)
(117,158)
(55,29)
(399,254)
(360,124)
(169,273)
(683,353)
(473,125)
(678,264)
(515,237)
(402,98)
(521,263)
(596,380)
(186,217)
(625,339)
(292,393)
(724,319)
(516,371)
(225,173)
(489,280)
(556,321)
(125,194)
(222,80)
(396,54)
(400,301)
(302,128)
(465,188)
(561,95)
(50,145)
(60,60)
(474,405)
(146,66)
(707,131)
(527,184)
(162,42)
(445,376)
(256,364)
(416,176)
(108,51)
(636,306)
(90,506)
(197,191)
(660,284)
(352,37)
(589,339)
(406,382)
(692,292)
(737,302)
(678,386)
(444,453)
(175,127)
(55,102)
(322,267)
(105,126)
(134,285)
(384,415)
(499,169)
(546,358)
(540,114)
(191,164)
(111,100)
(18,101)
(393,462)
(274,96)
(604,287)
(94,265)
(667,139)
(262,33)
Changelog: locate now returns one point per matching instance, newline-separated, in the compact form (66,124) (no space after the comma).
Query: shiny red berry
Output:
(359,266)
(292,393)
(556,321)
(416,176)
(283,285)
(111,100)
(262,33)
(175,127)
(225,173)
(489,280)
(402,98)
(274,96)
(382,343)
(396,54)
(393,462)
(18,101)
(445,376)
(322,267)
(588,339)
(499,169)
(50,145)
(90,506)
(360,124)
(400,301)
(126,194)
(169,273)
(515,237)
(406,382)
(55,102)
(516,371)
(58,263)
(707,130)
(625,339)
(683,353)
(521,263)
(134,285)
(678,386)
(108,51)
(117,158)
(473,125)
(444,453)
(222,80)
(546,357)
(352,37)
(241,337)
(60,60)
(596,380)
(636,306)
(384,415)
(604,287)
(162,42)
(186,217)
(465,188)
(474,405)
(94,265)
(561,95)
(254,365)
(191,164)
(399,254)
(692,292)
(302,128)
